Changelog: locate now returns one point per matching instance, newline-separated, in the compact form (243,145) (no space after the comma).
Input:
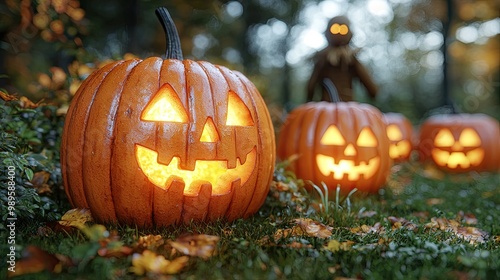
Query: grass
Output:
(372,244)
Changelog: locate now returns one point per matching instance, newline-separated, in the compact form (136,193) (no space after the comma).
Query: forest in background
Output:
(48,47)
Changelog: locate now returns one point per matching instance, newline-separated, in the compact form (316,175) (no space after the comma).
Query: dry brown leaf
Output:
(25,103)
(367,214)
(150,262)
(471,234)
(434,201)
(297,245)
(314,228)
(35,260)
(365,229)
(468,218)
(402,223)
(150,242)
(7,97)
(39,182)
(198,245)
(76,218)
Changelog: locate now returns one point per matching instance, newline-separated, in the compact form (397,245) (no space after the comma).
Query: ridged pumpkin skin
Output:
(400,133)
(304,134)
(104,128)
(474,142)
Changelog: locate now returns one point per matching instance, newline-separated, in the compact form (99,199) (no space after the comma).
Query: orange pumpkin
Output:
(461,142)
(337,143)
(400,134)
(164,141)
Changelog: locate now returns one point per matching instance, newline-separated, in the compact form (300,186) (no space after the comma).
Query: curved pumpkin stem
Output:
(174,50)
(331,89)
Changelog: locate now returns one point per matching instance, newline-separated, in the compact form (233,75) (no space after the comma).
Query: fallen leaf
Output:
(114,250)
(297,245)
(35,260)
(150,242)
(198,245)
(25,103)
(39,182)
(77,218)
(314,228)
(434,201)
(333,245)
(467,218)
(367,214)
(365,229)
(150,262)
(402,223)
(470,234)
(7,97)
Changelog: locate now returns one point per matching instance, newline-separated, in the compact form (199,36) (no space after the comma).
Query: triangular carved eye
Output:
(469,138)
(366,138)
(165,106)
(332,136)
(394,133)
(238,113)
(444,138)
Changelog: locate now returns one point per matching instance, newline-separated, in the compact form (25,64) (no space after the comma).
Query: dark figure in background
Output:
(338,63)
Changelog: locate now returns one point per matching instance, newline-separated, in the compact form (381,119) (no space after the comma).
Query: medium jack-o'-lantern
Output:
(461,142)
(164,141)
(337,143)
(400,133)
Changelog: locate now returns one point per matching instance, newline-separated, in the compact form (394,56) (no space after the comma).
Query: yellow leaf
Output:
(77,217)
(198,245)
(149,261)
(333,245)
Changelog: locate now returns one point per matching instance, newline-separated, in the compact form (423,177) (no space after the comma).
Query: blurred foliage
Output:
(47,47)
(29,142)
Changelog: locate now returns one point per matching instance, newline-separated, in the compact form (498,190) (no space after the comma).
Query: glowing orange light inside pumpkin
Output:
(340,166)
(398,147)
(237,112)
(209,133)
(341,29)
(464,152)
(167,107)
(213,171)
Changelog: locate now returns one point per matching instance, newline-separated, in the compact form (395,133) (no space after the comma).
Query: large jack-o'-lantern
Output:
(461,142)
(337,143)
(164,141)
(400,134)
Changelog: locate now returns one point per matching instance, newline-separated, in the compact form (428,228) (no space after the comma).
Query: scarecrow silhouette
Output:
(337,62)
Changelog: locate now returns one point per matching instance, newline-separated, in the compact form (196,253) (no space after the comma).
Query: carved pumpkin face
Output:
(166,107)
(346,162)
(461,142)
(166,141)
(338,32)
(399,131)
(338,143)
(464,151)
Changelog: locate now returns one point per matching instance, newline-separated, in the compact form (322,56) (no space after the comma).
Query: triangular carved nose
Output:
(209,133)
(350,150)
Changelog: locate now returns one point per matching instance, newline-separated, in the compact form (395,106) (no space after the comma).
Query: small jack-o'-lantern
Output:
(164,141)
(337,143)
(461,142)
(400,133)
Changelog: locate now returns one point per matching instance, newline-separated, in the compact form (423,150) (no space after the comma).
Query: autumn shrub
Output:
(29,145)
